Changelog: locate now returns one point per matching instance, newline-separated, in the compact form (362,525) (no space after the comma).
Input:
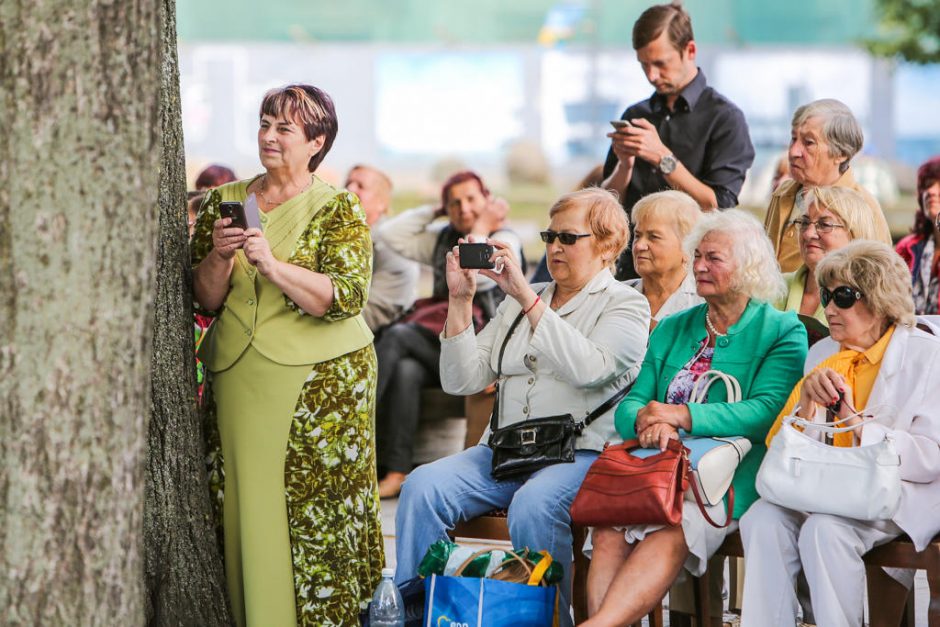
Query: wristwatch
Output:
(667,165)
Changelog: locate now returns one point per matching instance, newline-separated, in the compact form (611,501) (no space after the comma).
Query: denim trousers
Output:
(437,496)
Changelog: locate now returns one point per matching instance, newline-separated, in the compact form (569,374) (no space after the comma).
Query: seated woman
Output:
(876,359)
(832,217)
(737,332)
(660,222)
(580,339)
(921,249)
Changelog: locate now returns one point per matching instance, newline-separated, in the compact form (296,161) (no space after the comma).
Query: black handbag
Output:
(535,443)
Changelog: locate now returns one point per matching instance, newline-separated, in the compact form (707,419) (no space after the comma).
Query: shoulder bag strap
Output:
(494,415)
(578,427)
(729,510)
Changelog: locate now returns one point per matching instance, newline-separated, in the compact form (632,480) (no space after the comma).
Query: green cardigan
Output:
(764,351)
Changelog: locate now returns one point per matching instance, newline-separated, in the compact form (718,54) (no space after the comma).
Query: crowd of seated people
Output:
(716,290)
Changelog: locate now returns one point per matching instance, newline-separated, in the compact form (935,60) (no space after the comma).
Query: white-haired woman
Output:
(824,137)
(876,359)
(661,221)
(831,218)
(737,332)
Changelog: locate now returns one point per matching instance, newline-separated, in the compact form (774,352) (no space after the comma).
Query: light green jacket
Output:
(795,283)
(764,351)
(322,230)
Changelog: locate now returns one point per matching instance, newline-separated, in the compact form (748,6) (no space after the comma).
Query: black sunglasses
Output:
(844,296)
(566,238)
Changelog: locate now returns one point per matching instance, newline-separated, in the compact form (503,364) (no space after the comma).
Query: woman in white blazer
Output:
(579,340)
(876,359)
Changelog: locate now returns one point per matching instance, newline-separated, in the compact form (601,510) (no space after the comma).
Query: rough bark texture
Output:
(79,164)
(184,576)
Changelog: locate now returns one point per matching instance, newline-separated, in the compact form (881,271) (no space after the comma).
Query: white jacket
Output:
(908,386)
(574,360)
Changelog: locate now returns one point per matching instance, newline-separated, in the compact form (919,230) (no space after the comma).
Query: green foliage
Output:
(909,29)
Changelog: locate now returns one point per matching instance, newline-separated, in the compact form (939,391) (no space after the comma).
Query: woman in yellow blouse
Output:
(291,378)
(876,360)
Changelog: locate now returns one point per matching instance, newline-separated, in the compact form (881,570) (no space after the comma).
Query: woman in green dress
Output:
(292,378)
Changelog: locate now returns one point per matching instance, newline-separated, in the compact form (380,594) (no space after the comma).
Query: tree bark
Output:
(79,166)
(184,577)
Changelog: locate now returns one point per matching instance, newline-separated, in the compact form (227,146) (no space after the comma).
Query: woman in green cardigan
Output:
(291,378)
(737,332)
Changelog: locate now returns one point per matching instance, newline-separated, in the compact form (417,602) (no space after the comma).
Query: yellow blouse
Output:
(859,370)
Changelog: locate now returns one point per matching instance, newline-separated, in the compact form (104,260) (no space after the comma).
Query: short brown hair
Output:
(605,216)
(313,110)
(670,18)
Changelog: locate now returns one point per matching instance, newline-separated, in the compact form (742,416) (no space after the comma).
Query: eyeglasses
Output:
(844,296)
(821,226)
(567,239)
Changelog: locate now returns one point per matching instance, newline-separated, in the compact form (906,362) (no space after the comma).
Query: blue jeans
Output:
(437,496)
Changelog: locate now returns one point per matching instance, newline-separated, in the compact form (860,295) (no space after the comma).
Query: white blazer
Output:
(908,386)
(574,360)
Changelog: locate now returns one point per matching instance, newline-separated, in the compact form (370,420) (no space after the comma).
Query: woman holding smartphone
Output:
(291,377)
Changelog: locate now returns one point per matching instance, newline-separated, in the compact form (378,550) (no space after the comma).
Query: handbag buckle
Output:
(527,436)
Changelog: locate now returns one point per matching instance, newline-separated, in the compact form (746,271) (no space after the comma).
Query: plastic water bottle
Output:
(387,609)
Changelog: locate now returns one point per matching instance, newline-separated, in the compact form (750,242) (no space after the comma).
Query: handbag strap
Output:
(831,427)
(699,392)
(673,445)
(579,426)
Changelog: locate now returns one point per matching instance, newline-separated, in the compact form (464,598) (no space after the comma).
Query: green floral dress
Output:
(292,450)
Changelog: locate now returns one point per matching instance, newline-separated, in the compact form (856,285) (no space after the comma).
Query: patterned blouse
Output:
(680,389)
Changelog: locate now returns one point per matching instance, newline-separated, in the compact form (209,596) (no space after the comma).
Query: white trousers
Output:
(779,541)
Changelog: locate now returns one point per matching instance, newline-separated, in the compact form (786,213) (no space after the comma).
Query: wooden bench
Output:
(889,603)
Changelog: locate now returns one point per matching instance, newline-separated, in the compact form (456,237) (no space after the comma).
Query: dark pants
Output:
(409,358)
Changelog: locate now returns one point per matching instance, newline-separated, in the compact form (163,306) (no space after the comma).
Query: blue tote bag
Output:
(473,602)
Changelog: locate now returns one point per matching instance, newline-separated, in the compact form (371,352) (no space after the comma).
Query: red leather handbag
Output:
(621,489)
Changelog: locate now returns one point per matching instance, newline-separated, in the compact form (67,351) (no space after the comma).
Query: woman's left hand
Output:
(658,435)
(258,252)
(676,416)
(511,279)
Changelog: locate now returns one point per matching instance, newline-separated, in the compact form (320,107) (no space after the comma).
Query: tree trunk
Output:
(184,576)
(79,166)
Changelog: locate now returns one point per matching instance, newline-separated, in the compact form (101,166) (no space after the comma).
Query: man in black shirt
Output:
(686,136)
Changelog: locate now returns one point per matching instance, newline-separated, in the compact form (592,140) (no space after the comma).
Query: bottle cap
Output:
(388,572)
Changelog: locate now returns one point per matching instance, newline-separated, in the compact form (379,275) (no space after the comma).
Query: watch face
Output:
(667,164)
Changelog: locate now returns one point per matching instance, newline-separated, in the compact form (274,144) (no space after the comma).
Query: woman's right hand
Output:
(226,241)
(821,387)
(461,283)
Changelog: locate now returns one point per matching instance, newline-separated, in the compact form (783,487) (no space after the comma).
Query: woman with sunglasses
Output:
(575,343)
(830,218)
(874,359)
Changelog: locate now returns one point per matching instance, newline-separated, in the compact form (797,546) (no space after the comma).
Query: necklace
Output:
(711,327)
(264,183)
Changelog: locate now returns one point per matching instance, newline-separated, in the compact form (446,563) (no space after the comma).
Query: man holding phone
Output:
(685,136)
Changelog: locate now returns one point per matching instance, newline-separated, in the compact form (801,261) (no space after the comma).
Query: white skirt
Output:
(701,537)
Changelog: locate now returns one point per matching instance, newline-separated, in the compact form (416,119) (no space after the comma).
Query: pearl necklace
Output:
(264,183)
(711,327)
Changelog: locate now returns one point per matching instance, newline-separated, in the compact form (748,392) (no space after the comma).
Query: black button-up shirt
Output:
(705,131)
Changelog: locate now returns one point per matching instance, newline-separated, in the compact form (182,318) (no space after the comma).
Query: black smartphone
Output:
(234,210)
(476,256)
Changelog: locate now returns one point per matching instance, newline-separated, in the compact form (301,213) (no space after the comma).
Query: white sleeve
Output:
(411,233)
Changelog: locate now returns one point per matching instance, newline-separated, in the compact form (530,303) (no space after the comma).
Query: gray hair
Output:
(757,273)
(840,129)
(879,273)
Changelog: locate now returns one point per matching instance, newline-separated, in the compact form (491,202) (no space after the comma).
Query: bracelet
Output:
(538,299)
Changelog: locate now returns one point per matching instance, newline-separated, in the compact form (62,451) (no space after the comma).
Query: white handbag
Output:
(803,474)
(714,459)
